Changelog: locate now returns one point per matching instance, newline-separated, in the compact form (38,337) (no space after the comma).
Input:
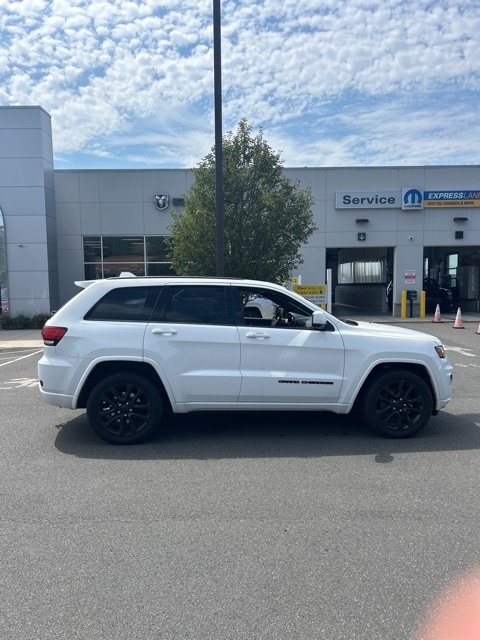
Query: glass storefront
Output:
(109,256)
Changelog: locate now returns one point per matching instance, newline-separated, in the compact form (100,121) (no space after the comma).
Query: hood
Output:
(377,329)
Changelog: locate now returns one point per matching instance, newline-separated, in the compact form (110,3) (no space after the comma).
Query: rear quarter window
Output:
(125,304)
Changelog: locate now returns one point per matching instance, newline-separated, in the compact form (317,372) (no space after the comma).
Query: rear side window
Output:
(193,304)
(126,304)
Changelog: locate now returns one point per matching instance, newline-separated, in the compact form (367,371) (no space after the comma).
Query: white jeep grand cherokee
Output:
(130,349)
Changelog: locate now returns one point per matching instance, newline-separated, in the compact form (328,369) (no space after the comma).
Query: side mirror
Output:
(319,320)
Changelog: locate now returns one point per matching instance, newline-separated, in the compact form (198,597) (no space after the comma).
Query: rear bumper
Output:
(57,399)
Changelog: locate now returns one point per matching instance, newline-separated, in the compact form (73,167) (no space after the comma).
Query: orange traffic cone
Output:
(458,324)
(478,330)
(437,317)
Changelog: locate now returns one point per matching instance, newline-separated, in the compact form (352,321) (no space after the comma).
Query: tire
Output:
(397,404)
(124,408)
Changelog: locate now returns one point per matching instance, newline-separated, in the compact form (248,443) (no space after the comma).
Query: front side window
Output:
(262,307)
(125,304)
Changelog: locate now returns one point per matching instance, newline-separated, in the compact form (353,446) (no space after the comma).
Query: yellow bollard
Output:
(403,305)
(423,304)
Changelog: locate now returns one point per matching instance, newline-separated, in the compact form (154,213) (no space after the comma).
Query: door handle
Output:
(252,334)
(164,332)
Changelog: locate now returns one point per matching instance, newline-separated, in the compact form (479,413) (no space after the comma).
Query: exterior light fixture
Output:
(460,219)
(362,220)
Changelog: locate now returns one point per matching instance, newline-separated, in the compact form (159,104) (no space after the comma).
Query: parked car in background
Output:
(434,294)
(259,307)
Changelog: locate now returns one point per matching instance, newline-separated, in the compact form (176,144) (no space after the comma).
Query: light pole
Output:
(219,195)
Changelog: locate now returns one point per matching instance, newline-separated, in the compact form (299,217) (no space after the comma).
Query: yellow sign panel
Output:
(306,290)
(451,203)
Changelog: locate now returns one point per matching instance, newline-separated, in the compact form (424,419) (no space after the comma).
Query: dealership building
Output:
(373,225)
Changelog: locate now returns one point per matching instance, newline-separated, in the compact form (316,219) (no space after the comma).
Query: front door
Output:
(283,359)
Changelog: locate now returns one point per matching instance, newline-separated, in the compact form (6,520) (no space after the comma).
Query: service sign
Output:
(410,198)
(367,200)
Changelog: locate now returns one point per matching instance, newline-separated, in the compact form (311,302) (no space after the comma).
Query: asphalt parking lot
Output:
(237,527)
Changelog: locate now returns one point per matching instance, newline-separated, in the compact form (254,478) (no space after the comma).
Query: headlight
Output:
(440,349)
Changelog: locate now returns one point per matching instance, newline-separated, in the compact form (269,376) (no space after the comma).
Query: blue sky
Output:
(129,84)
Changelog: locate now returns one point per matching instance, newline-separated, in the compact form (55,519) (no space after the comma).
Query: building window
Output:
(108,256)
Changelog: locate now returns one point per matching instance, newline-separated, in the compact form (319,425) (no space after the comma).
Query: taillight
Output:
(52,335)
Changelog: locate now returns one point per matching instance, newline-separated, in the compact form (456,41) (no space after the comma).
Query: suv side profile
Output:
(131,349)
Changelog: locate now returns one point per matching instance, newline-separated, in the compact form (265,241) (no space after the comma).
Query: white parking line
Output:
(18,383)
(21,358)
(463,351)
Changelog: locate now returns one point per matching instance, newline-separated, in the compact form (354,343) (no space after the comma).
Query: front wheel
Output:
(124,408)
(397,404)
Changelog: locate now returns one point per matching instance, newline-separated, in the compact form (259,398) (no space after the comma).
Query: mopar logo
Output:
(412,199)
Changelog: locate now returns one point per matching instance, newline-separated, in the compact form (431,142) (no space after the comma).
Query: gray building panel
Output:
(175,182)
(121,217)
(26,201)
(26,230)
(21,172)
(29,117)
(120,187)
(156,222)
(89,183)
(28,205)
(90,218)
(29,255)
(29,291)
(20,143)
(67,186)
(71,259)
(68,219)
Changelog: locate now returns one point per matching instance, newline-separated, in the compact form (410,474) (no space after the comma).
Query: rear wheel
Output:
(124,408)
(397,404)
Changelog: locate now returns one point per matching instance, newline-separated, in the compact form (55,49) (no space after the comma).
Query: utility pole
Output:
(219,193)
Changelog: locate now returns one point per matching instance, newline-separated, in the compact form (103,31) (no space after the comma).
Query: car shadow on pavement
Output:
(269,435)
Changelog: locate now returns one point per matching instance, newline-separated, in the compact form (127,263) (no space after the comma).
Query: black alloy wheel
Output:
(124,408)
(397,404)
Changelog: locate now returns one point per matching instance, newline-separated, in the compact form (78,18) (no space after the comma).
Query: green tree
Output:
(267,217)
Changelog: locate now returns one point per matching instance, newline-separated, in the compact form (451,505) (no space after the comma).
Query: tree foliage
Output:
(267,217)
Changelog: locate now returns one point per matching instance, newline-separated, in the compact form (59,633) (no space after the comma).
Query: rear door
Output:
(195,343)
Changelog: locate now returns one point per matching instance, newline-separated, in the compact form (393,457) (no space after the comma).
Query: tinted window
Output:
(194,304)
(128,304)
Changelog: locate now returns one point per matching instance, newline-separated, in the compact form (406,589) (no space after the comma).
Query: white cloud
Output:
(330,81)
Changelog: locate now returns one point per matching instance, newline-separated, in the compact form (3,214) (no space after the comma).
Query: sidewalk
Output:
(22,339)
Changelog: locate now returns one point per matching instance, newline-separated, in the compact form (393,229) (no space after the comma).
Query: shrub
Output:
(39,320)
(22,321)
(6,322)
